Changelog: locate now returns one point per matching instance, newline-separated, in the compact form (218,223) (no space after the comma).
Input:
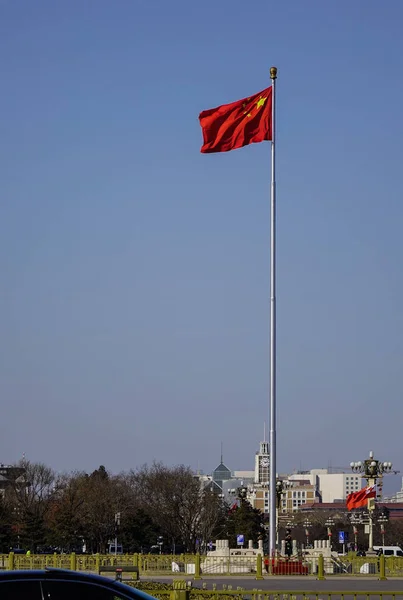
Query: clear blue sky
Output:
(135,270)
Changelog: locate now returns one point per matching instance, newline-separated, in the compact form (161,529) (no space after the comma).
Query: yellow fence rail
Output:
(181,591)
(199,566)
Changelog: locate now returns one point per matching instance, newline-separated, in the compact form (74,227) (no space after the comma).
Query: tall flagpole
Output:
(272,439)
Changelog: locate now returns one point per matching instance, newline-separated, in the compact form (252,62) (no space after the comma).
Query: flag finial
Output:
(273,72)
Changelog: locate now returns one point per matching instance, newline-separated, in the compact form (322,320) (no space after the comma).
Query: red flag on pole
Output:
(238,124)
(359,499)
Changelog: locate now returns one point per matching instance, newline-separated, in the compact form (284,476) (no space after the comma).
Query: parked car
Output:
(58,584)
(17,550)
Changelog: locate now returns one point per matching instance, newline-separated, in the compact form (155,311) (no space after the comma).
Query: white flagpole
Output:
(272,440)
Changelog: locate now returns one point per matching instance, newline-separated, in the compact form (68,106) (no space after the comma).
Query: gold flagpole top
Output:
(273,73)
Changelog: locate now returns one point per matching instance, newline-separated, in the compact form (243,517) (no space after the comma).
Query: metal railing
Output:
(181,591)
(214,566)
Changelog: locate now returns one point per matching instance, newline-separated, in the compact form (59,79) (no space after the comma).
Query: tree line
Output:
(161,508)
(47,511)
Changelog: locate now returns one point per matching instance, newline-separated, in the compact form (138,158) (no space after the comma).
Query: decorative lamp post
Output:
(243,492)
(355,531)
(372,470)
(329,524)
(251,495)
(355,519)
(382,520)
(281,486)
(307,525)
(117,525)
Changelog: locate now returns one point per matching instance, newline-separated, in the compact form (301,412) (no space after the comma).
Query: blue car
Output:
(58,584)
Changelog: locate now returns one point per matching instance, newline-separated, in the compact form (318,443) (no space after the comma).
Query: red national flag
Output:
(358,499)
(237,124)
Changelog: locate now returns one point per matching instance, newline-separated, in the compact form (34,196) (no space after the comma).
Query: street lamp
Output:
(307,525)
(356,519)
(242,493)
(329,524)
(251,495)
(372,470)
(117,524)
(290,525)
(382,520)
(281,486)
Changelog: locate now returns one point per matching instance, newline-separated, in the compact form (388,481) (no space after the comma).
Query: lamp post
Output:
(117,524)
(329,524)
(242,493)
(355,519)
(382,520)
(307,525)
(355,531)
(251,495)
(372,470)
(281,486)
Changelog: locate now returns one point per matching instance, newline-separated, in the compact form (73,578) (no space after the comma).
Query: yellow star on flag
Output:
(260,102)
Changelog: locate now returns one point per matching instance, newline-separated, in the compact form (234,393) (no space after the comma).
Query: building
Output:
(221,474)
(246,475)
(329,487)
(337,486)
(396,498)
(207,483)
(298,494)
(262,464)
(301,489)
(10,477)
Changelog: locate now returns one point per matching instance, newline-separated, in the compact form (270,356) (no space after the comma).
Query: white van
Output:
(389,550)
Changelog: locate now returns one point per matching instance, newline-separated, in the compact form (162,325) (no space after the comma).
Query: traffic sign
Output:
(341,537)
(240,539)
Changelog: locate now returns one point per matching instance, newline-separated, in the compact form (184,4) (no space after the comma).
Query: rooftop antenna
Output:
(221,455)
(264,431)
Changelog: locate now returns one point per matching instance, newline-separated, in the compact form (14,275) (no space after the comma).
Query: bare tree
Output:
(183,511)
(65,516)
(32,501)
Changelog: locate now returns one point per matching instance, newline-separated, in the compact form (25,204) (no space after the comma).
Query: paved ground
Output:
(333,583)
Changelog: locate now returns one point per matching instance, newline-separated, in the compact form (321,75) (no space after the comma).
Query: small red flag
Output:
(238,124)
(358,499)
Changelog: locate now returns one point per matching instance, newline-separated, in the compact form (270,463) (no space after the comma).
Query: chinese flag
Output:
(358,499)
(237,124)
